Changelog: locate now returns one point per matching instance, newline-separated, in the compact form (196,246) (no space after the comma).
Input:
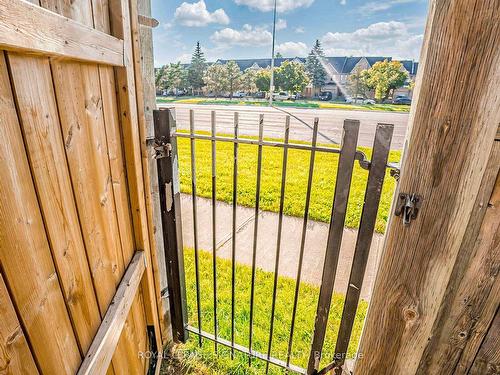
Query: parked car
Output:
(281,96)
(358,100)
(326,96)
(259,95)
(401,99)
(239,94)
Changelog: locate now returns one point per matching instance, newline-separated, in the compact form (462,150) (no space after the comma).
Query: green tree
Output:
(175,77)
(215,79)
(314,66)
(263,80)
(278,55)
(356,85)
(233,77)
(291,77)
(160,78)
(248,79)
(384,77)
(197,69)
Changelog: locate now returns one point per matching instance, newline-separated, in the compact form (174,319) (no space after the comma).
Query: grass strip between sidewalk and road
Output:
(292,104)
(325,173)
(196,360)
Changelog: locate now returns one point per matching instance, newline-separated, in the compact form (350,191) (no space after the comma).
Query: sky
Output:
(238,29)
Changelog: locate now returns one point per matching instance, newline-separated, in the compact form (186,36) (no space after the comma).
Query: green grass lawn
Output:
(204,361)
(295,104)
(325,173)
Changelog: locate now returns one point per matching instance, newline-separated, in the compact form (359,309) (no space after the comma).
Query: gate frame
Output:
(167,158)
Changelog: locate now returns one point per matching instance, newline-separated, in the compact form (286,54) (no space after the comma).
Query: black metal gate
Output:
(166,136)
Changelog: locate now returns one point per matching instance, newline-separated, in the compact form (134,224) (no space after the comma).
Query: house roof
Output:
(261,63)
(342,64)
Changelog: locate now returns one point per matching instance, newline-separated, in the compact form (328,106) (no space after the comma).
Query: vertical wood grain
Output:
(32,81)
(95,13)
(15,354)
(125,81)
(471,297)
(453,122)
(25,256)
(135,327)
(487,360)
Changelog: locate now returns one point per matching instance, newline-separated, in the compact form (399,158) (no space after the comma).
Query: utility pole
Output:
(271,88)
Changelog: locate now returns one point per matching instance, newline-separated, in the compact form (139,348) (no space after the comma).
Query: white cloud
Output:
(292,49)
(379,39)
(343,2)
(185,58)
(300,30)
(248,36)
(379,6)
(268,5)
(281,24)
(197,15)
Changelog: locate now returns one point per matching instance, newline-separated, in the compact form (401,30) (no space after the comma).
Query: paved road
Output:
(330,121)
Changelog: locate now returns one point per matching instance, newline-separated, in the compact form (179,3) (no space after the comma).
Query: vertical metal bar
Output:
(233,250)
(339,209)
(255,230)
(214,223)
(170,202)
(303,239)
(278,241)
(195,221)
(381,148)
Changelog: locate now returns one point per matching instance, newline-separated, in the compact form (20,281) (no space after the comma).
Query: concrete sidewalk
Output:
(315,245)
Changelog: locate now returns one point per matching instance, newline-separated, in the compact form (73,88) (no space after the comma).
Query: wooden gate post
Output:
(453,122)
(170,205)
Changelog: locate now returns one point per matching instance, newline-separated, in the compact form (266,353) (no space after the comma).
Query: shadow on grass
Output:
(203,360)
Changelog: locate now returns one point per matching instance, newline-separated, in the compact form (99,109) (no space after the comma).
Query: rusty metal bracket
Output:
(408,206)
(161,148)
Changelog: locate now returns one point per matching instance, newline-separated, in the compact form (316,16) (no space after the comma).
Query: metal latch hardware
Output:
(407,206)
(161,149)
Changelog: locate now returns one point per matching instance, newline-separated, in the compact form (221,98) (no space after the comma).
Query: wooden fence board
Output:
(32,81)
(119,183)
(135,327)
(80,106)
(99,356)
(15,354)
(120,26)
(29,28)
(452,126)
(142,112)
(460,327)
(487,361)
(24,250)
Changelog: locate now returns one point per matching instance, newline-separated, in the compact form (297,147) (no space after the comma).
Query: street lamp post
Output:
(271,88)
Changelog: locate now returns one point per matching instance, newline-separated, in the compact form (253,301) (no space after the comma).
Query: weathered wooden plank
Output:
(120,26)
(144,114)
(138,331)
(149,97)
(25,256)
(32,81)
(29,28)
(15,354)
(469,304)
(453,125)
(99,356)
(487,361)
(135,327)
